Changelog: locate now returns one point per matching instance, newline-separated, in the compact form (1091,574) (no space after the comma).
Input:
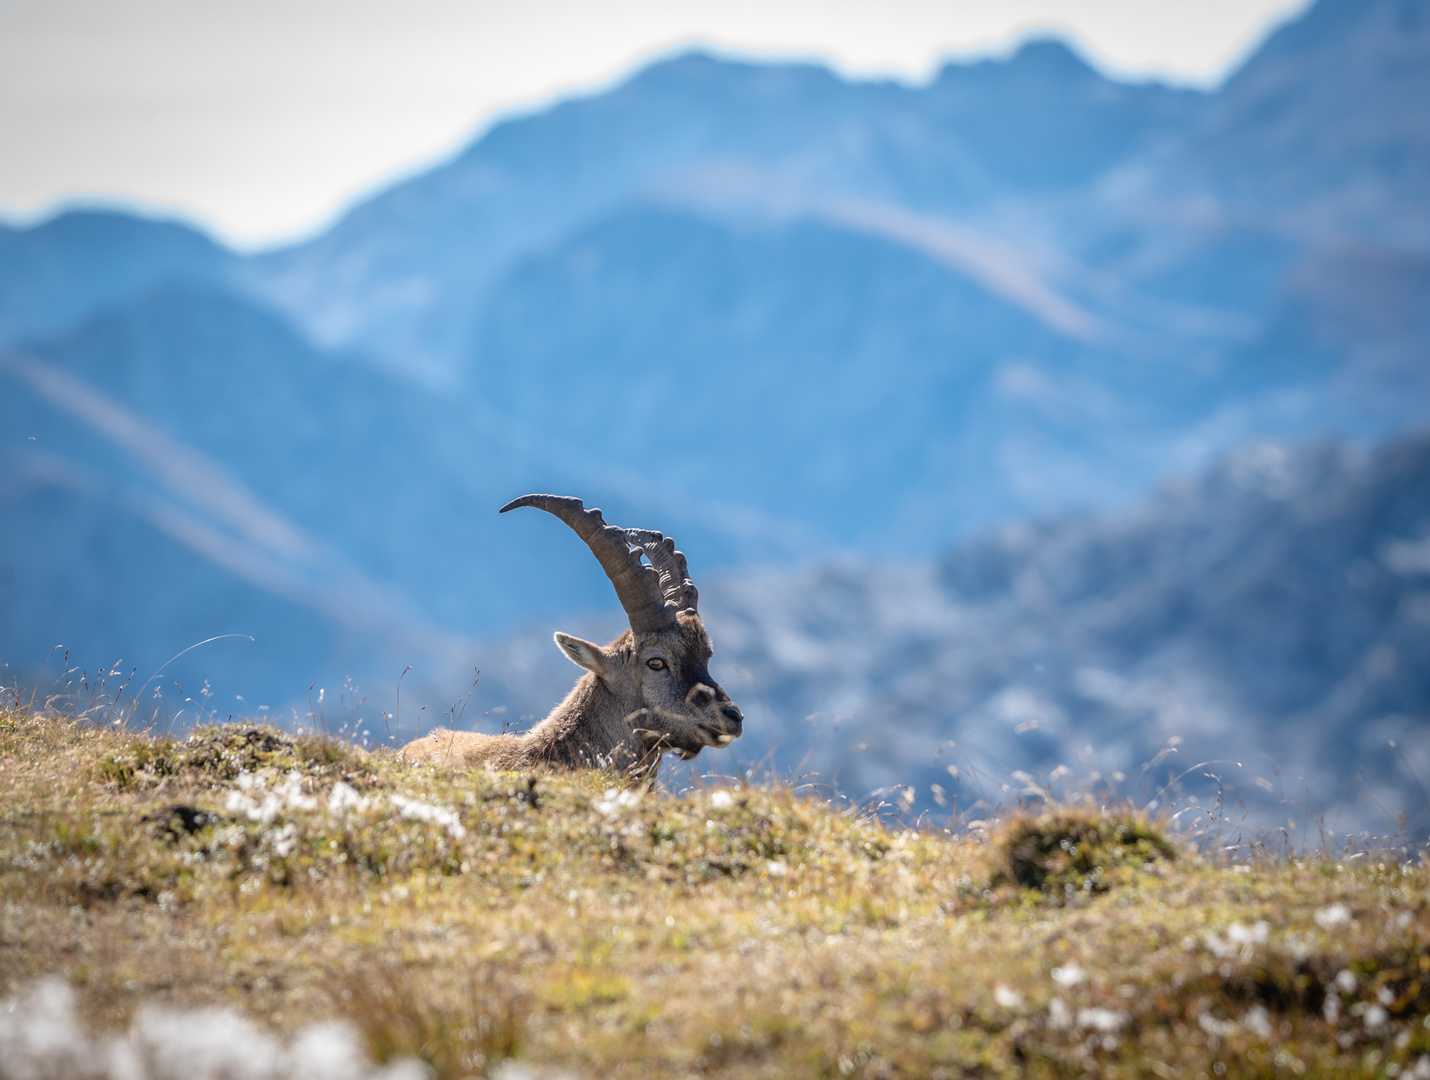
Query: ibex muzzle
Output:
(648,691)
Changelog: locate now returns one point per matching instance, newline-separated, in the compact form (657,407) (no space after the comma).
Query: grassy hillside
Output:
(560,920)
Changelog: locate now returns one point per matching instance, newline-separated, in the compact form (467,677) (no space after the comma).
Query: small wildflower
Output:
(1007,998)
(1068,975)
(614,801)
(1239,940)
(1221,1029)
(1258,1022)
(421,811)
(1331,1009)
(721,800)
(1059,1015)
(291,793)
(1248,935)
(1107,1021)
(344,798)
(239,803)
(1328,918)
(285,840)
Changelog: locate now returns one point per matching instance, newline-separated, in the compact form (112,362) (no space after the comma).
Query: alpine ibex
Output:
(648,691)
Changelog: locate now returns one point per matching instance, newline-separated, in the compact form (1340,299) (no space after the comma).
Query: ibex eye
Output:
(655,663)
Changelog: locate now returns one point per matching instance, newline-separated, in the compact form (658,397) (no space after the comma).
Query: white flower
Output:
(266,811)
(1253,935)
(421,811)
(239,803)
(344,797)
(205,1042)
(721,800)
(290,794)
(285,840)
(1104,1020)
(1220,1028)
(1007,998)
(40,1035)
(326,1051)
(1328,918)
(777,869)
(1345,982)
(1375,1018)
(1059,1015)
(1258,1022)
(614,801)
(1068,975)
(286,796)
(1239,940)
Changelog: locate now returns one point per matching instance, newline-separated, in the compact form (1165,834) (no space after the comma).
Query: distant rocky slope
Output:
(1274,611)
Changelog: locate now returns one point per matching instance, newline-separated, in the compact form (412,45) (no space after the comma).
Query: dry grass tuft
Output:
(216,754)
(459,1021)
(465,917)
(1066,849)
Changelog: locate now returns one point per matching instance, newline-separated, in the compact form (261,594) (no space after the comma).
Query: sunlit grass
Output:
(724,931)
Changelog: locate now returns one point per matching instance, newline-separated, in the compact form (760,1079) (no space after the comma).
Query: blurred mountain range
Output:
(782,316)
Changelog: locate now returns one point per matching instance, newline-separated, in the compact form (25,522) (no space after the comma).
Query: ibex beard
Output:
(647,692)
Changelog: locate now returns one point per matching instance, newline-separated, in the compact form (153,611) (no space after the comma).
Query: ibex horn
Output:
(637,585)
(675,583)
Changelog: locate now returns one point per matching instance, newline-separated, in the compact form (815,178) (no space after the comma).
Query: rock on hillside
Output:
(1275,611)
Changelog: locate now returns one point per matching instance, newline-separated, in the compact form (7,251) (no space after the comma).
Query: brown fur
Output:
(621,714)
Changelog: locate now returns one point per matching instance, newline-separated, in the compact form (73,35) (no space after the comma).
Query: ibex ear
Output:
(586,654)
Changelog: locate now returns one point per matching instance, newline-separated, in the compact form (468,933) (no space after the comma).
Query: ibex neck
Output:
(588,729)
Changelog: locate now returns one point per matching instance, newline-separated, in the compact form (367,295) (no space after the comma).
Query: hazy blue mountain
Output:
(400,275)
(1306,169)
(828,380)
(67,268)
(300,489)
(1016,289)
(845,384)
(1293,143)
(96,576)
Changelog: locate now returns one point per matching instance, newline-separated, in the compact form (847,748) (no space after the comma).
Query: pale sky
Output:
(262,119)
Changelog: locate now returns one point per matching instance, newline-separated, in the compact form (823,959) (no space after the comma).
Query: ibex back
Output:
(648,691)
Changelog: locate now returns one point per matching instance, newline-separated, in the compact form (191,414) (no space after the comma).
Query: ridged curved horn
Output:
(637,586)
(675,583)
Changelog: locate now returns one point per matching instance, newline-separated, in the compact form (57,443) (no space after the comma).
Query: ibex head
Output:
(659,669)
